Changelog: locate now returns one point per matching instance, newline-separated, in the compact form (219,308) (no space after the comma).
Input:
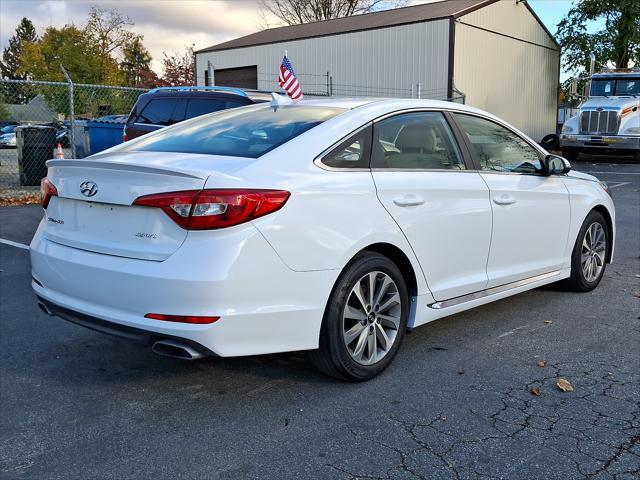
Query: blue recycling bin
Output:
(105,132)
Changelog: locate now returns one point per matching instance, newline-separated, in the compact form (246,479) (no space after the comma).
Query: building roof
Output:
(369,21)
(36,110)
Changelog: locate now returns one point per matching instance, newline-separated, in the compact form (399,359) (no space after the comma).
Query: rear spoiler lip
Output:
(131,167)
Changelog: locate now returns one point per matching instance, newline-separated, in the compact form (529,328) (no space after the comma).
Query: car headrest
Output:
(415,137)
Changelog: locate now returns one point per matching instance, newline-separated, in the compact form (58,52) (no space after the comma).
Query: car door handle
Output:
(408,201)
(504,199)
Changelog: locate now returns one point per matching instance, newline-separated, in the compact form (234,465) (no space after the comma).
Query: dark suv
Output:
(168,105)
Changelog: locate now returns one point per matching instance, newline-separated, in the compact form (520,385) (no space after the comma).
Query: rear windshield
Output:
(243,132)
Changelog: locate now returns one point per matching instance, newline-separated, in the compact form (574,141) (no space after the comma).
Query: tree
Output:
(71,47)
(107,28)
(618,43)
(178,69)
(25,33)
(294,12)
(136,62)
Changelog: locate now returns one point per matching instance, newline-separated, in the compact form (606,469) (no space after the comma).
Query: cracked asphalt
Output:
(456,403)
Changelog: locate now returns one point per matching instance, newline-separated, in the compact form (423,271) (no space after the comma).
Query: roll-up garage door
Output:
(243,77)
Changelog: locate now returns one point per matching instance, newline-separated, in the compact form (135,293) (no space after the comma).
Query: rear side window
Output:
(244,132)
(351,153)
(200,106)
(158,111)
(416,141)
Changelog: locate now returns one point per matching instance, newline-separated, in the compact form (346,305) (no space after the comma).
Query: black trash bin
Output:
(35,146)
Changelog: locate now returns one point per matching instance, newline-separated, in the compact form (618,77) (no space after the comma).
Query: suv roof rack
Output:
(191,88)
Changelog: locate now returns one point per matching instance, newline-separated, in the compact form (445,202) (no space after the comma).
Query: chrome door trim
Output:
(492,291)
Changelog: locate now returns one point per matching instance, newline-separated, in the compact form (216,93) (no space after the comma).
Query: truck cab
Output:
(609,118)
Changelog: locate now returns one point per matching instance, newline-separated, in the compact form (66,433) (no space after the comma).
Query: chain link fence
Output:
(44,120)
(324,85)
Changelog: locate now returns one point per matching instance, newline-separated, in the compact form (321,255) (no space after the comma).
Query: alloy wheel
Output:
(371,318)
(593,252)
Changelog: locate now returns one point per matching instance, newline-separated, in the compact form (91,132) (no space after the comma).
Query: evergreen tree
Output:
(11,56)
(136,62)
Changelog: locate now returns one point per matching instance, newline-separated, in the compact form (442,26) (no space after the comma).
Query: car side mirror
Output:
(556,165)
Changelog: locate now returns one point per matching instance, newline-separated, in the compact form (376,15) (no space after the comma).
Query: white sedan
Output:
(332,226)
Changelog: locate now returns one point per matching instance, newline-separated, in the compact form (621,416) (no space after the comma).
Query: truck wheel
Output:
(570,154)
(550,142)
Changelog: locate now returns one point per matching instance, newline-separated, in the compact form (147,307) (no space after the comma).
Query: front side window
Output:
(243,132)
(416,140)
(497,148)
(351,153)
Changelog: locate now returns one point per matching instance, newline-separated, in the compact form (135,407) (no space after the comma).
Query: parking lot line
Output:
(618,184)
(613,173)
(14,244)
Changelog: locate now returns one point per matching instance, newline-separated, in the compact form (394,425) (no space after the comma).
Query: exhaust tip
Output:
(45,309)
(175,349)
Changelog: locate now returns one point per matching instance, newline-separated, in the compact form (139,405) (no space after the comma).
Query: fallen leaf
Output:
(548,322)
(536,391)
(542,363)
(564,385)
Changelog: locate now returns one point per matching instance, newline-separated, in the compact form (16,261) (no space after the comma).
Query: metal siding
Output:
(394,57)
(514,80)
(510,18)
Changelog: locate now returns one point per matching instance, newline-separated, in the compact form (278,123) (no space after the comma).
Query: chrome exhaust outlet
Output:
(45,309)
(175,349)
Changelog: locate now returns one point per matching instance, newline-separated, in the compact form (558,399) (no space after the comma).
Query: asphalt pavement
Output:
(456,403)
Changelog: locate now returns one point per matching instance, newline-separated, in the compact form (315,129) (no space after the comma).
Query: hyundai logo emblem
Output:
(88,189)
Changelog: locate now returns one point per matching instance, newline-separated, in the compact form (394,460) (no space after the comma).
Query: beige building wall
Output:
(505,63)
(369,62)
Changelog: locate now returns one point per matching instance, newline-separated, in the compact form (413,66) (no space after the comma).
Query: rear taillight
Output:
(181,318)
(47,190)
(212,209)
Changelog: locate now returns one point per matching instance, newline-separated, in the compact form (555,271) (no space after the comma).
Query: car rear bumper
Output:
(608,142)
(264,307)
(138,335)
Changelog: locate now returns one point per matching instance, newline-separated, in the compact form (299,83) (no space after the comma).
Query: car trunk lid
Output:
(93,210)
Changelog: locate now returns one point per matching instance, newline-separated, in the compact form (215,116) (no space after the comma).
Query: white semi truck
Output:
(609,117)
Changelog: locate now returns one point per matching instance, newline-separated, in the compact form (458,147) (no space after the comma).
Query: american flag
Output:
(288,81)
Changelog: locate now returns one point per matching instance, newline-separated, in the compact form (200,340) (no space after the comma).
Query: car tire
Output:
(570,154)
(636,156)
(347,334)
(591,248)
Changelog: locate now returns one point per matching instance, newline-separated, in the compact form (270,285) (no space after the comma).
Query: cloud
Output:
(167,25)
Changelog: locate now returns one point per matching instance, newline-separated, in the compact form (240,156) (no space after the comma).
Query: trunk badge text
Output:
(146,235)
(88,189)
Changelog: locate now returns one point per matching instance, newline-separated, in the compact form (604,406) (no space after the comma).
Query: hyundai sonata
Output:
(332,226)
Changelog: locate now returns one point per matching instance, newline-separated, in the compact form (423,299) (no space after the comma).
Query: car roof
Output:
(392,104)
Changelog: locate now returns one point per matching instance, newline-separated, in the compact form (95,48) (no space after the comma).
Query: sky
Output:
(170,25)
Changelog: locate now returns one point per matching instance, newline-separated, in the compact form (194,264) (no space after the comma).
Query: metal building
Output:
(494,55)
